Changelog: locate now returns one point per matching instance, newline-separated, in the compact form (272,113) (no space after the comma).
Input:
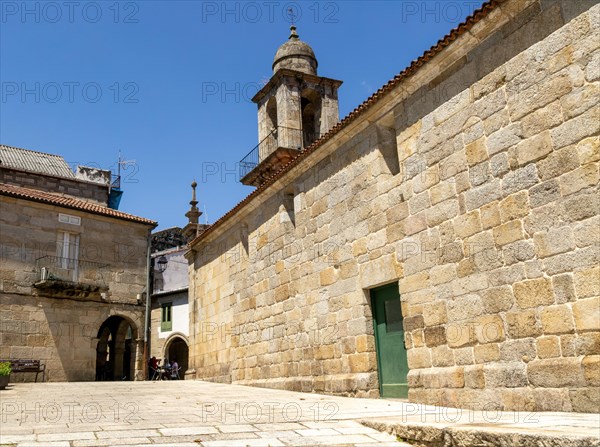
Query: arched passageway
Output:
(177,349)
(115,352)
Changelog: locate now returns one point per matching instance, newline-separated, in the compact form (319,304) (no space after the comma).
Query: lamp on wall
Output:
(161,264)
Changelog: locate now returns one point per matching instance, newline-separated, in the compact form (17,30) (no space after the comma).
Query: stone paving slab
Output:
(196,413)
(538,429)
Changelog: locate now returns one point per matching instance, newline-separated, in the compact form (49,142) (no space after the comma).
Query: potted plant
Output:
(5,371)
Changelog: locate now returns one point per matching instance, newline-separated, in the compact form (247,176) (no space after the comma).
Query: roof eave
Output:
(134,219)
(287,72)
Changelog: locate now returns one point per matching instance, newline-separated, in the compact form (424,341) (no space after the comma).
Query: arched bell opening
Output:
(272,114)
(310,104)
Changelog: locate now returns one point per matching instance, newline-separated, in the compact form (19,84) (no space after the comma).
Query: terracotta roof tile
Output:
(68,202)
(454,34)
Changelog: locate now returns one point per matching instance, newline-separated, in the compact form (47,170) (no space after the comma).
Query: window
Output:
(244,239)
(67,255)
(289,204)
(67,218)
(166,324)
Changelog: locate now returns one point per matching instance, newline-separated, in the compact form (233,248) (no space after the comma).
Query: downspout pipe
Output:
(148,301)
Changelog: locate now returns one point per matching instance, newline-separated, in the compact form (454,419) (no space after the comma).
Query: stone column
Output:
(100,357)
(118,361)
(139,369)
(288,114)
(262,119)
(330,114)
(190,372)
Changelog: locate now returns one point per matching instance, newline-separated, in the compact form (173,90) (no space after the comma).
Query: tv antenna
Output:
(120,163)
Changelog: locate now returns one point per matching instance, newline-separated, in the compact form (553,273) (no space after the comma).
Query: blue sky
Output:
(169,83)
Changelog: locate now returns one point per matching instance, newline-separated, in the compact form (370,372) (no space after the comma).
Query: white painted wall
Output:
(179,314)
(175,276)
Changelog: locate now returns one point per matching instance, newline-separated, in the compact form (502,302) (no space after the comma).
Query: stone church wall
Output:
(474,185)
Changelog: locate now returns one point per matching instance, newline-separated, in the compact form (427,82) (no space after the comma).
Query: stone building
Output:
(73,270)
(440,242)
(170,316)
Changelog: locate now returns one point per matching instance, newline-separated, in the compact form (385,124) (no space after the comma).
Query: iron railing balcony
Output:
(115,181)
(71,278)
(274,151)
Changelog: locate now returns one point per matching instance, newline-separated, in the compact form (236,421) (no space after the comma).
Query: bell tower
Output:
(295,108)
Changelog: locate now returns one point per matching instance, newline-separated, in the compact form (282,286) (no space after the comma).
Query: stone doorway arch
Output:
(177,347)
(116,349)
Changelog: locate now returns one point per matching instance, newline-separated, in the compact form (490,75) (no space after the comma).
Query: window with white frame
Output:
(67,253)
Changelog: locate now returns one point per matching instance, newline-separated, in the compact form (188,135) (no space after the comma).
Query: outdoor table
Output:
(165,373)
(162,373)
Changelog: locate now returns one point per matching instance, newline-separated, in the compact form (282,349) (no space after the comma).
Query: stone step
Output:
(482,434)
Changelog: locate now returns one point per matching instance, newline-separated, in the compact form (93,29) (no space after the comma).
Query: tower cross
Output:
(292,14)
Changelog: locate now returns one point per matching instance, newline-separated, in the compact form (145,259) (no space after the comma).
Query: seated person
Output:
(153,366)
(174,370)
(166,370)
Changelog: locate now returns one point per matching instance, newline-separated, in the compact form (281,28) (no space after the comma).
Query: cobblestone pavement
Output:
(195,413)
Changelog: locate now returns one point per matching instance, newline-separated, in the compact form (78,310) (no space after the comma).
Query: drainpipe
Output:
(147,315)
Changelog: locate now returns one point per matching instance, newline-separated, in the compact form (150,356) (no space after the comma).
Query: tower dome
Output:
(295,55)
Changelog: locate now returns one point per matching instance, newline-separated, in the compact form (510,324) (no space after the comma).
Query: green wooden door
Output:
(389,341)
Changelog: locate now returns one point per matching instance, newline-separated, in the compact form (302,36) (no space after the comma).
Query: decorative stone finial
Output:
(194,202)
(293,33)
(194,213)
